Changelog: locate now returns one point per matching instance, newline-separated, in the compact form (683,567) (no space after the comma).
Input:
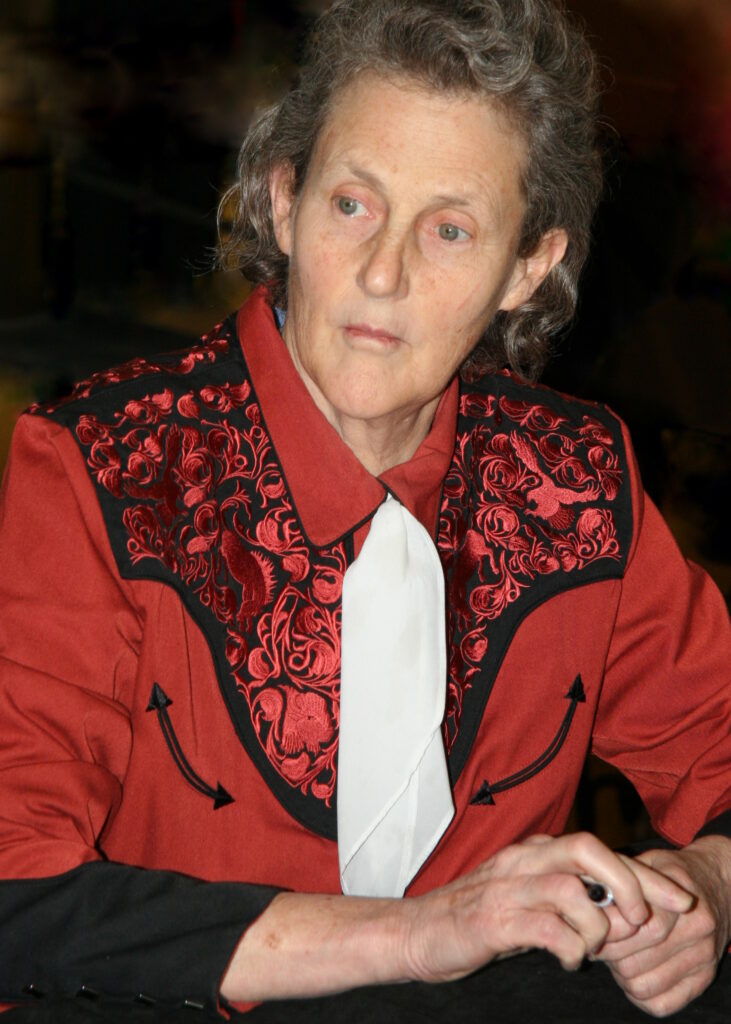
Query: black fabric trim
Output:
(503,629)
(718,826)
(90,933)
(485,795)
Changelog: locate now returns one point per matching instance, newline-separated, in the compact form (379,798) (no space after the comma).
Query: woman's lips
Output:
(366,331)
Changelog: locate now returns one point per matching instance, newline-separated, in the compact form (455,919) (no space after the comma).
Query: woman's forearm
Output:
(526,896)
(307,945)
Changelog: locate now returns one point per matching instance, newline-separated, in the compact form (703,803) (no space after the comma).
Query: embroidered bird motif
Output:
(551,502)
(253,571)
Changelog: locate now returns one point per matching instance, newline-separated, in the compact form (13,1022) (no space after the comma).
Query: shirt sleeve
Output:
(69,631)
(664,717)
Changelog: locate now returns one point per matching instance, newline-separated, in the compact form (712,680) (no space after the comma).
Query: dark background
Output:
(119,125)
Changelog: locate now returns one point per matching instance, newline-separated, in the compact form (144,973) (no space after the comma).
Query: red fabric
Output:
(83,765)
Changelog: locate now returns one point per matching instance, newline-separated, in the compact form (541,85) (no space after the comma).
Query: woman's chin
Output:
(367,399)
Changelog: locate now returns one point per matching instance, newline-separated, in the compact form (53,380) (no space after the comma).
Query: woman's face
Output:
(402,246)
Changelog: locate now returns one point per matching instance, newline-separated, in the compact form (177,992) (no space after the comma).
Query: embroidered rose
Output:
(474,646)
(278,532)
(306,723)
(498,523)
(596,431)
(298,736)
(594,537)
(501,471)
(542,560)
(327,585)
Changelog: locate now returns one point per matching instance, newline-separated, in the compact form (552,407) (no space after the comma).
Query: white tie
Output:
(393,795)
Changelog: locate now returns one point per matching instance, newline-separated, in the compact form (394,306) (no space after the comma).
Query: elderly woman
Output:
(331,608)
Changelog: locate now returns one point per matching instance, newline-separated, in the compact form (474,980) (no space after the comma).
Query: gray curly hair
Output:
(528,56)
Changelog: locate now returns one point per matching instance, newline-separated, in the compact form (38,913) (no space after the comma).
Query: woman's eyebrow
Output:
(443,198)
(367,176)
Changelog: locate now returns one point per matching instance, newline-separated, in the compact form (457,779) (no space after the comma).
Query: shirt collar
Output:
(332,491)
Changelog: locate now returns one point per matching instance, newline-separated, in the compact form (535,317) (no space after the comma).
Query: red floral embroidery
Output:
(527,499)
(299,641)
(539,510)
(206,499)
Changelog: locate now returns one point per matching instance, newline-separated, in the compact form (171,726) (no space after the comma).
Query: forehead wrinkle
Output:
(483,197)
(333,155)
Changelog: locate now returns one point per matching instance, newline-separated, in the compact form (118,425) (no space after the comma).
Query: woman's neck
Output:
(388,441)
(382,442)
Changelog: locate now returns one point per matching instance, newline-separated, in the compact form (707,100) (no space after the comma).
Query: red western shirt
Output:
(172,549)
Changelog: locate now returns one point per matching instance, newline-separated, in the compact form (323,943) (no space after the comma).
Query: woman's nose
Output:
(383,271)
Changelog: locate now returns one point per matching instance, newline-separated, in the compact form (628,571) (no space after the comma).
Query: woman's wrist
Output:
(715,853)
(308,945)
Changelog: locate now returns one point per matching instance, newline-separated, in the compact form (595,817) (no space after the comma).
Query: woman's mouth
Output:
(373,333)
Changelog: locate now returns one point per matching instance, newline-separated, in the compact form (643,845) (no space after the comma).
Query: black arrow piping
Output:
(510,781)
(173,745)
(540,762)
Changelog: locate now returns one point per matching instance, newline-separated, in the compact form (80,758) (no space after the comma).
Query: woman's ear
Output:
(531,270)
(281,191)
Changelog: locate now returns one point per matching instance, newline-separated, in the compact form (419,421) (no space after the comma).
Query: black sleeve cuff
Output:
(720,826)
(110,931)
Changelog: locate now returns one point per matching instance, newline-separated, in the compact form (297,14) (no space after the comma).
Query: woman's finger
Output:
(550,912)
(565,896)
(619,928)
(634,885)
(629,949)
(667,979)
(584,854)
(659,889)
(543,929)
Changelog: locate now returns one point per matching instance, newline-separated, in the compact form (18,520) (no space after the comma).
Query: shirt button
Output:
(32,990)
(85,992)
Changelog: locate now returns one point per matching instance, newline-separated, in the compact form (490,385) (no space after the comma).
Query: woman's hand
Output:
(528,895)
(673,956)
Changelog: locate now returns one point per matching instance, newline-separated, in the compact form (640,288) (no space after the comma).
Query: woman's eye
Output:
(350,207)
(451,233)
